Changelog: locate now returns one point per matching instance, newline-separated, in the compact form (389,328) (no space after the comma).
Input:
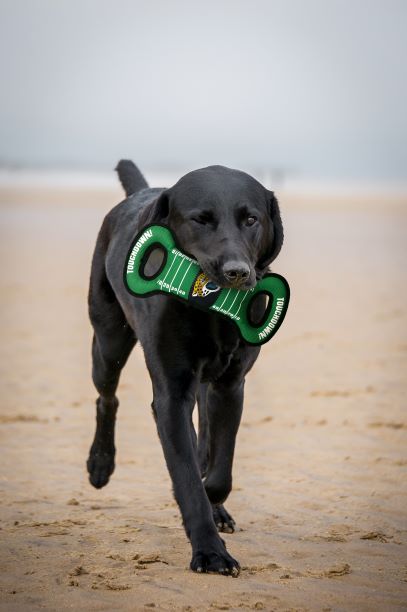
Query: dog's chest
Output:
(216,345)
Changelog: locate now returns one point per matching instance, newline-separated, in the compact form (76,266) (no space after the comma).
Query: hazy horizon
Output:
(311,90)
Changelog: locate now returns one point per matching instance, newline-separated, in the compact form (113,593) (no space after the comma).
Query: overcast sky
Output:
(315,87)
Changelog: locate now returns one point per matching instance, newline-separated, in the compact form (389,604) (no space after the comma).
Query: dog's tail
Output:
(130,176)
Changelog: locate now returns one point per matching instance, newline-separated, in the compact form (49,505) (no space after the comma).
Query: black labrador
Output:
(231,225)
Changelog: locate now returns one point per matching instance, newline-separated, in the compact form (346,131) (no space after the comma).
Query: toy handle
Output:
(276,288)
(160,238)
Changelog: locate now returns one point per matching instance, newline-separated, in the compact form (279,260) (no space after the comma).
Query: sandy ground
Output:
(320,473)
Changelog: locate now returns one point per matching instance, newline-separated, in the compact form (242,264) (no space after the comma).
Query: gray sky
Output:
(316,87)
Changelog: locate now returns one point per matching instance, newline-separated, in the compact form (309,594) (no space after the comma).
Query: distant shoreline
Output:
(106,179)
(102,189)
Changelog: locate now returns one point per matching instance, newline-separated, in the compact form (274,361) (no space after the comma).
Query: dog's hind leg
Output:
(224,410)
(113,342)
(202,428)
(224,406)
(223,520)
(109,357)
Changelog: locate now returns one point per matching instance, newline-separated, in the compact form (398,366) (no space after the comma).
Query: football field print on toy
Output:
(180,276)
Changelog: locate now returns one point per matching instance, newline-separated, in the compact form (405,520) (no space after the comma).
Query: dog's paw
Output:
(223,521)
(214,558)
(100,466)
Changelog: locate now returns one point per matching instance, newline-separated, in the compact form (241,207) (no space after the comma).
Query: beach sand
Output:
(319,493)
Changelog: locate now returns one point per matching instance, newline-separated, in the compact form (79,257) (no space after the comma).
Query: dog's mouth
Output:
(223,283)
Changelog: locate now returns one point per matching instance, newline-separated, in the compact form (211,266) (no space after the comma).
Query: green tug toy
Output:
(180,276)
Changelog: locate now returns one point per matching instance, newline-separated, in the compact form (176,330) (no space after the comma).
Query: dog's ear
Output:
(273,240)
(157,211)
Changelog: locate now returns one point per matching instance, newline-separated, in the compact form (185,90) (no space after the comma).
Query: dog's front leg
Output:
(174,399)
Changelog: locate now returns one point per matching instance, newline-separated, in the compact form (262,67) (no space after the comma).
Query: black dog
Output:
(231,224)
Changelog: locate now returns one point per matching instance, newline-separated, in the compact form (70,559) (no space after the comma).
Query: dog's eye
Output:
(251,220)
(203,219)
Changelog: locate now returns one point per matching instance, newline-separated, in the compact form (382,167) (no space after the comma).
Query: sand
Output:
(319,492)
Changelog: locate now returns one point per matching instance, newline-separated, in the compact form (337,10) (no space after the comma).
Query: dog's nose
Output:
(236,271)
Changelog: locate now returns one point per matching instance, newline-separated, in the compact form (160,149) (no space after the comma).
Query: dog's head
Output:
(226,220)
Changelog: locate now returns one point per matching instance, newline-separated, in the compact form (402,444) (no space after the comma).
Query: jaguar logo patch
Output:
(203,286)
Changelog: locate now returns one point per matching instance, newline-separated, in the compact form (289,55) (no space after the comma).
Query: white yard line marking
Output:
(173,278)
(226,297)
(244,297)
(237,293)
(182,280)
(167,272)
